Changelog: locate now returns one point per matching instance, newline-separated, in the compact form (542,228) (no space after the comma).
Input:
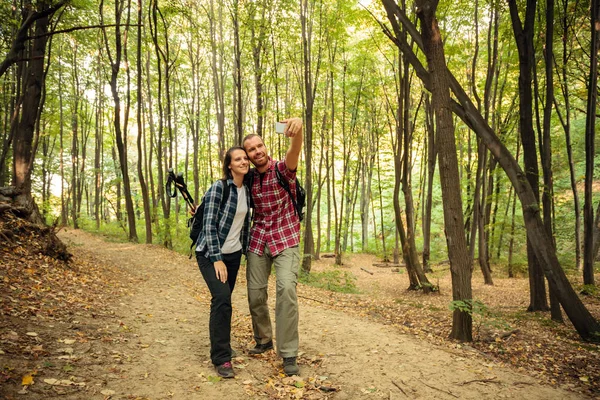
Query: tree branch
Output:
(79,28)
(18,44)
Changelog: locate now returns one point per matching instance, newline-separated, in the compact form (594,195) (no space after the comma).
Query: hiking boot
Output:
(225,370)
(290,366)
(261,348)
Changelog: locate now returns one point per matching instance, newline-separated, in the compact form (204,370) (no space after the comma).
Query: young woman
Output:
(219,249)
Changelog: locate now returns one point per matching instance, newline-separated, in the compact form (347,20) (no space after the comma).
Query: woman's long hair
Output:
(227,161)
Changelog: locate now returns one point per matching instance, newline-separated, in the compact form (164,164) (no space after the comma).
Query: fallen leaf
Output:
(27,380)
(107,392)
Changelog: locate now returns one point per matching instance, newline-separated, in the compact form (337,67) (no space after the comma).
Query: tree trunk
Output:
(431,160)
(75,142)
(546,145)
(258,48)
(460,263)
(218,75)
(141,133)
(406,132)
(120,140)
(32,92)
(310,86)
(237,76)
(483,258)
(590,152)
(165,201)
(566,124)
(98,145)
(524,39)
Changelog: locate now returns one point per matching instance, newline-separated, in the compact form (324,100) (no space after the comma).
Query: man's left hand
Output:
(293,127)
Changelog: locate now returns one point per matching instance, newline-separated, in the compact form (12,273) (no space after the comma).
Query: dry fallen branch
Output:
(309,298)
(389,264)
(441,390)
(400,387)
(490,380)
(366,270)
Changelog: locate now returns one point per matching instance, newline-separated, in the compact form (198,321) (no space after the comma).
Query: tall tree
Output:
(32,75)
(141,130)
(311,76)
(565,119)
(524,32)
(460,262)
(546,145)
(121,140)
(590,149)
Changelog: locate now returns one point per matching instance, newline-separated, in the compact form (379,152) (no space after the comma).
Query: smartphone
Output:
(280,127)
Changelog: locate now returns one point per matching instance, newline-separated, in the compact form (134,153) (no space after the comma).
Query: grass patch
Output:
(335,280)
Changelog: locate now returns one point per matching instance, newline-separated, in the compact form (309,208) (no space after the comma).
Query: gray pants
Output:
(286,303)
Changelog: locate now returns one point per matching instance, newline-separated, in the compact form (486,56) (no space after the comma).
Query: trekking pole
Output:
(179,183)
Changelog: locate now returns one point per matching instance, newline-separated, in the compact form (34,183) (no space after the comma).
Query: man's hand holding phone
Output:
(289,127)
(280,127)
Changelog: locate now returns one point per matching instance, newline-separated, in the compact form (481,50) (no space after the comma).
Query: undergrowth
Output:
(334,280)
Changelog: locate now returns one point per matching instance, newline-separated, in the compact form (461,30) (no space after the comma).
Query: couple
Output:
(273,239)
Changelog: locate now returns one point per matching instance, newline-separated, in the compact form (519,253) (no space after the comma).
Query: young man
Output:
(274,240)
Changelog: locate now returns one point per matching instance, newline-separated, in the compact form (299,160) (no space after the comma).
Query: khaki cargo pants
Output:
(286,302)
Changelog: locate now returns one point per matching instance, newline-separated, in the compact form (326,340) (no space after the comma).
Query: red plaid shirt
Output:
(276,223)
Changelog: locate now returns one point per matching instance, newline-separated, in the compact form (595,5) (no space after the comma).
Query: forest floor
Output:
(127,321)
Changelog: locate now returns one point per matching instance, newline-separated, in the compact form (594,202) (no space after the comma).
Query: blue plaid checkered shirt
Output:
(217,222)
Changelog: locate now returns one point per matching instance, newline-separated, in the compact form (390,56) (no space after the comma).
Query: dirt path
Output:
(159,346)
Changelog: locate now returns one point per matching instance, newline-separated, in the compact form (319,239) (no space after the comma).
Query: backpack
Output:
(196,222)
(299,201)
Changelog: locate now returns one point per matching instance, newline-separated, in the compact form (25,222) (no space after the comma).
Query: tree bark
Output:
(590,149)
(44,11)
(566,124)
(311,74)
(33,74)
(237,76)
(410,245)
(431,161)
(460,262)
(546,146)
(141,133)
(120,140)
(524,38)
(258,49)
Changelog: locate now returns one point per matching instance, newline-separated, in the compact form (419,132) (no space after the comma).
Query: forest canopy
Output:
(99,99)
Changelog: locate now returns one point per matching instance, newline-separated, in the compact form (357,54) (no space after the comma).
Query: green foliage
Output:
(334,280)
(590,290)
(481,314)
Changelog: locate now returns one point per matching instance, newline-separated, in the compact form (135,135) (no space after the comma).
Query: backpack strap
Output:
(249,182)
(225,193)
(286,186)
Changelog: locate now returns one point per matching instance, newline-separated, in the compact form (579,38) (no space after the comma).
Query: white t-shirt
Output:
(232,243)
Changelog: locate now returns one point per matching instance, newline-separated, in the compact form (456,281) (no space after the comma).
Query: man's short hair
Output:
(250,136)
